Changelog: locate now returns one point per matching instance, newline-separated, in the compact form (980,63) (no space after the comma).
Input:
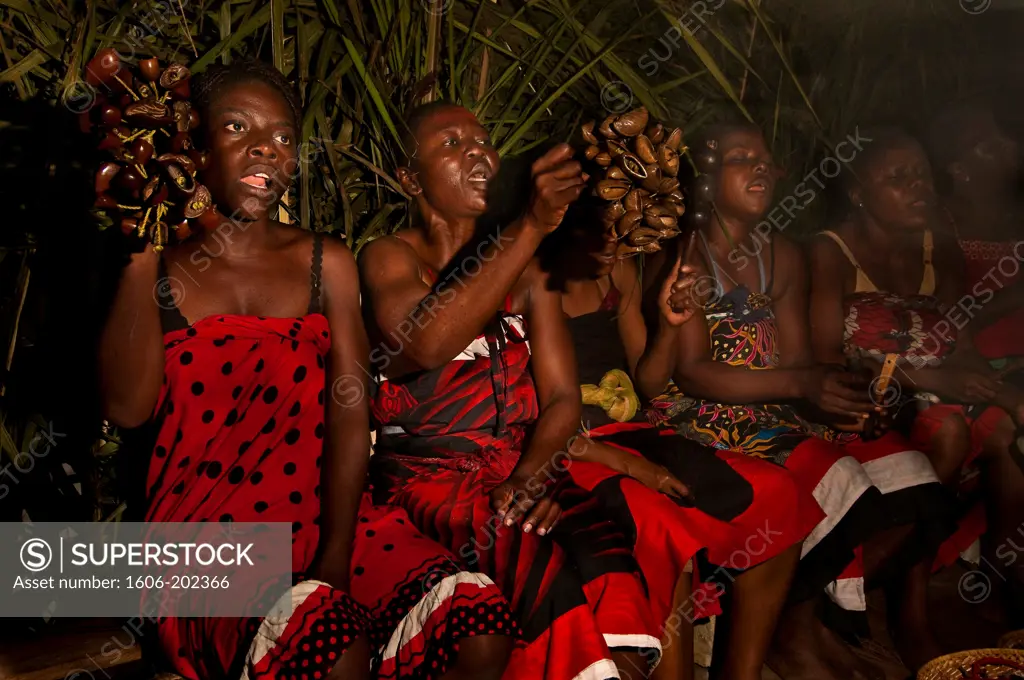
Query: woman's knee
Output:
(950,447)
(354,663)
(483,656)
(998,442)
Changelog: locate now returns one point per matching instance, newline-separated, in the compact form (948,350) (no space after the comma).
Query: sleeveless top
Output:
(742,331)
(985,260)
(741,322)
(240,419)
(879,323)
(602,360)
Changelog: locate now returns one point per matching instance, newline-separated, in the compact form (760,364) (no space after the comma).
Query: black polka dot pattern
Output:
(240,422)
(236,475)
(466,618)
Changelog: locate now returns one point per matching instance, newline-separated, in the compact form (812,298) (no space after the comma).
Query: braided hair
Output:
(212,81)
(414,118)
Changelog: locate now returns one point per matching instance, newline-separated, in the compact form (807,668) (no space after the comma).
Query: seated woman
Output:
(233,356)
(748,382)
(980,169)
(475,414)
(882,286)
(725,500)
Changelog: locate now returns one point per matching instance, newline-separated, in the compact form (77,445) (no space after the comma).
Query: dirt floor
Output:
(85,649)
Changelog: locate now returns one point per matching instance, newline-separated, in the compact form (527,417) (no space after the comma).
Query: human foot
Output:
(804,649)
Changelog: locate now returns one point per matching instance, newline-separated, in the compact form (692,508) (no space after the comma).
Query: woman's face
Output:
(453,163)
(592,250)
(250,135)
(897,189)
(993,157)
(746,181)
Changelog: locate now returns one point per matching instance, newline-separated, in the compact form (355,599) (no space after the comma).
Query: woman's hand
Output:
(521,496)
(558,180)
(966,386)
(676,301)
(332,572)
(656,477)
(839,392)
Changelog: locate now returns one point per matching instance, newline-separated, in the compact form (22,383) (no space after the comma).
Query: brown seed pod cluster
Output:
(144,121)
(638,164)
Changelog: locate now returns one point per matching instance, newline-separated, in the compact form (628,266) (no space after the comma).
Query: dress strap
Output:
(711,258)
(495,336)
(171,318)
(316,275)
(610,298)
(771,268)
(864,283)
(766,285)
(928,279)
(948,214)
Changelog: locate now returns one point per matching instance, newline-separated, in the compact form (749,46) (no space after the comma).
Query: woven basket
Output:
(958,666)
(1013,640)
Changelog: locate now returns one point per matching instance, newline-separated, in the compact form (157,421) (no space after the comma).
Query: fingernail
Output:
(541,532)
(509,522)
(527,527)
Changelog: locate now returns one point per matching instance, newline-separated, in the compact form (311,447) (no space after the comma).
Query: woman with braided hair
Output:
(231,342)
(746,379)
(477,406)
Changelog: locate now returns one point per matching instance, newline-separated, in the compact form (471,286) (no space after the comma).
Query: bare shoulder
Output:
(338,259)
(534,283)
(387,255)
(788,253)
(945,239)
(823,248)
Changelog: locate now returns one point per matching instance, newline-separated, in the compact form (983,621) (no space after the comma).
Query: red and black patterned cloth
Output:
(241,428)
(446,438)
(733,520)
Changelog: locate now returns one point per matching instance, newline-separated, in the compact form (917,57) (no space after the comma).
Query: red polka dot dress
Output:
(241,432)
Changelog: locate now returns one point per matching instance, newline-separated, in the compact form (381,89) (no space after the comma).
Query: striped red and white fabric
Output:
(865,487)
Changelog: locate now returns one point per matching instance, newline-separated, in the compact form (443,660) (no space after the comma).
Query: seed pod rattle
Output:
(637,163)
(142,119)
